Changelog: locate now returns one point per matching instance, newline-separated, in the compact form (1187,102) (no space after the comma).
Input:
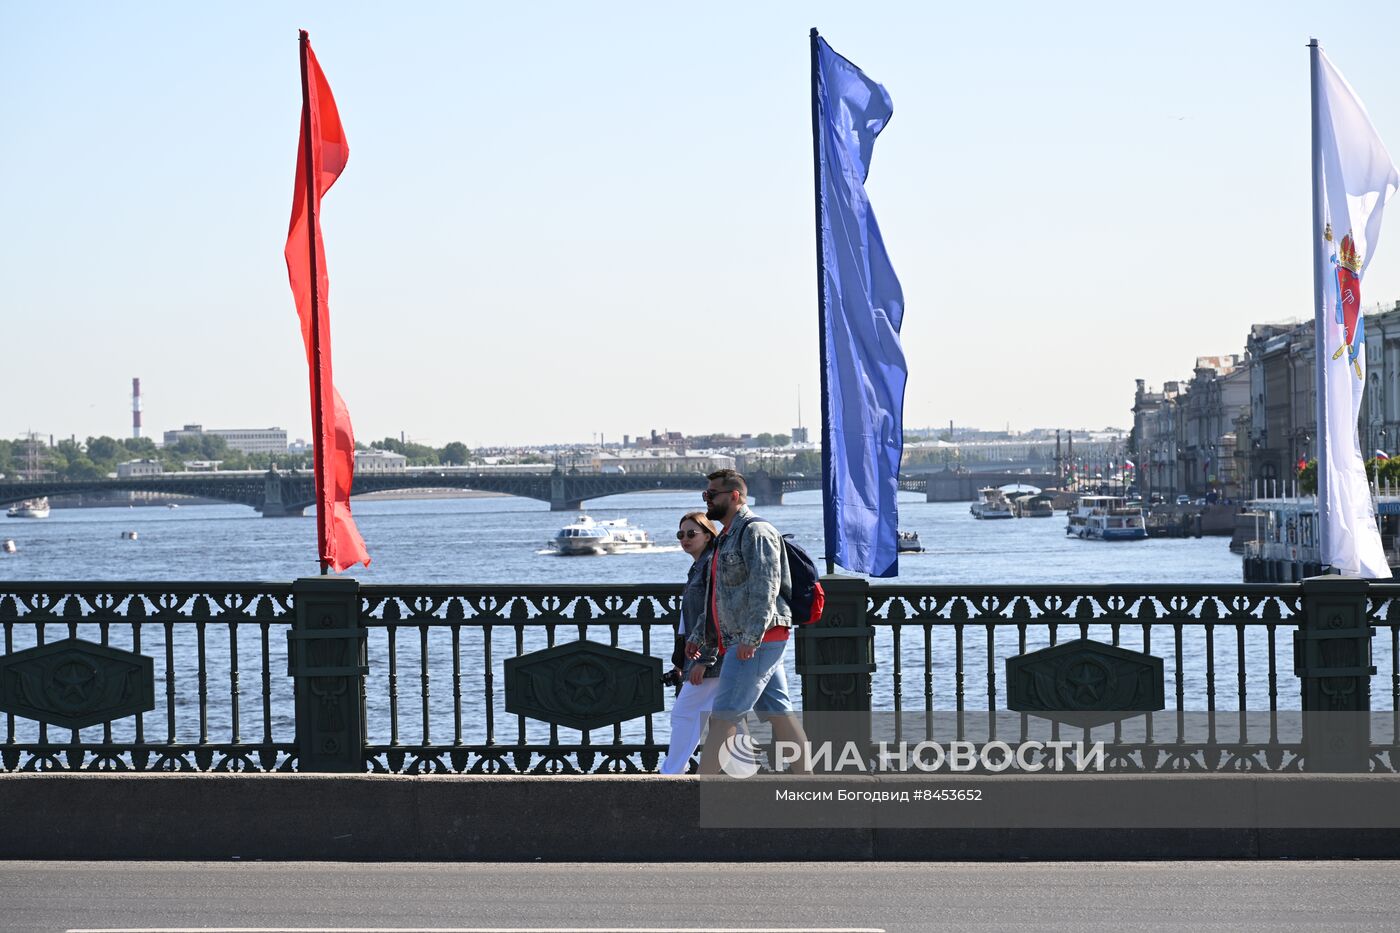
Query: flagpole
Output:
(1319,309)
(821,304)
(318,448)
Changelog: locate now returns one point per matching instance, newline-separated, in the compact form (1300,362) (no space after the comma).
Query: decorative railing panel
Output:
(218,652)
(444,651)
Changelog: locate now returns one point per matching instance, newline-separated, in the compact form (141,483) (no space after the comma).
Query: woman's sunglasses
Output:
(687,535)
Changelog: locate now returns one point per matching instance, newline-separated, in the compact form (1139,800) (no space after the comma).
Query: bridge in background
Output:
(951,486)
(277,494)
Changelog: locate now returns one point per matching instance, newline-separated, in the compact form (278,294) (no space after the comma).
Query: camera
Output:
(671,678)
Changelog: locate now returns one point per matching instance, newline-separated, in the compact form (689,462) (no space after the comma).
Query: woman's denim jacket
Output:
(695,610)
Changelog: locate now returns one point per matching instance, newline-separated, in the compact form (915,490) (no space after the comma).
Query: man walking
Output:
(748,576)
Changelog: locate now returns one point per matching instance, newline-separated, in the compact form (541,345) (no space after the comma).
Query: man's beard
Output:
(715,514)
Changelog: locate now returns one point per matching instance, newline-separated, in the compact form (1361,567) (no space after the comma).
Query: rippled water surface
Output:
(499,540)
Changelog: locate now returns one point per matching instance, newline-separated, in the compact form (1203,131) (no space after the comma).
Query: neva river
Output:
(502,540)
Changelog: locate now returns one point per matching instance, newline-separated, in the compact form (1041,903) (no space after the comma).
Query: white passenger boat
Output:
(30,508)
(1106,518)
(909,543)
(626,537)
(586,536)
(991,503)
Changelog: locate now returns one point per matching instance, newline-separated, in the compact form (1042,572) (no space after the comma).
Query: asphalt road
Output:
(1197,896)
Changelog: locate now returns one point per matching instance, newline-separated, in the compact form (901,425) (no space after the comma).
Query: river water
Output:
(502,540)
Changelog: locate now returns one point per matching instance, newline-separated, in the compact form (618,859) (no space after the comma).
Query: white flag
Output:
(1358,177)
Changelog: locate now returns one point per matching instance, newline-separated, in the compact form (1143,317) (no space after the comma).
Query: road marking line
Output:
(480,929)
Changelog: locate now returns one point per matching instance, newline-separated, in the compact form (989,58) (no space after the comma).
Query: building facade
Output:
(1184,437)
(243,440)
(139,468)
(375,460)
(1244,425)
(253,440)
(1283,402)
(1379,424)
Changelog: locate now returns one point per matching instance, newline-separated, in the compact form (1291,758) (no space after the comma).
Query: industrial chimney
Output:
(136,407)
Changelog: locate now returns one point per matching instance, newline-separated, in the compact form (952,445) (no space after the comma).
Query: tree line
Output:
(97,457)
(1381,472)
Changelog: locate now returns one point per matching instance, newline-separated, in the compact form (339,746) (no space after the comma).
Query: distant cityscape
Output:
(1241,424)
(193,447)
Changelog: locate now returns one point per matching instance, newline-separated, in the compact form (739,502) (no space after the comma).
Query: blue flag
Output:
(863,308)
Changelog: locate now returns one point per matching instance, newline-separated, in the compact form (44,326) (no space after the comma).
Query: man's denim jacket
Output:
(753,575)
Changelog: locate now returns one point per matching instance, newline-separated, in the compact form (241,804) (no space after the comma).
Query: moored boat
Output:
(1282,544)
(1035,506)
(991,503)
(1106,518)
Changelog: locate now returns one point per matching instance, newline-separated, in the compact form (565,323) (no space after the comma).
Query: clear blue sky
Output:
(567,218)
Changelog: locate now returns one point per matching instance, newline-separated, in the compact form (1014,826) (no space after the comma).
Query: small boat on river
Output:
(586,536)
(991,503)
(30,508)
(909,543)
(1034,506)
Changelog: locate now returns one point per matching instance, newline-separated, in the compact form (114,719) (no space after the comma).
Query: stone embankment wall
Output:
(646,818)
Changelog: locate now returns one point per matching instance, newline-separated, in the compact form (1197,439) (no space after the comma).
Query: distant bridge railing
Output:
(326,674)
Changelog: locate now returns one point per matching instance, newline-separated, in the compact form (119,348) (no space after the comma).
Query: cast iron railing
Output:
(205,639)
(462,635)
(412,678)
(1233,698)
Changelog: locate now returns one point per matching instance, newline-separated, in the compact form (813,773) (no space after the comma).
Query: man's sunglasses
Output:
(687,534)
(712,493)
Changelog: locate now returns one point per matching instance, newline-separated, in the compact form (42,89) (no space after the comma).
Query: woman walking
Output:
(700,676)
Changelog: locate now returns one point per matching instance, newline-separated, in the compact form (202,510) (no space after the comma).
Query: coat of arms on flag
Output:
(1348,270)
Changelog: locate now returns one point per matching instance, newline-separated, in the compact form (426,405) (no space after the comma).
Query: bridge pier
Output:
(275,504)
(763,489)
(559,499)
(950,486)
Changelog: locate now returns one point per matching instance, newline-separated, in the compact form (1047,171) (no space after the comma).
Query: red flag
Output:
(1302,464)
(321,156)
